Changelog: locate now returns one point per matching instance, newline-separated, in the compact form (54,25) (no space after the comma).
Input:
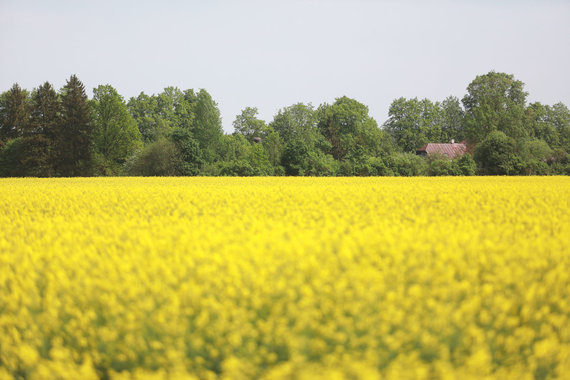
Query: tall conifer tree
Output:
(75,136)
(14,113)
(39,135)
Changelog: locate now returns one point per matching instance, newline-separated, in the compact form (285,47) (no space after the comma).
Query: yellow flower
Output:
(360,278)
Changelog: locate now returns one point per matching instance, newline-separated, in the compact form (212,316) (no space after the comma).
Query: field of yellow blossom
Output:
(285,278)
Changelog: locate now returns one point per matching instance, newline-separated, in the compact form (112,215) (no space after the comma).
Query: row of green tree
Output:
(506,135)
(63,133)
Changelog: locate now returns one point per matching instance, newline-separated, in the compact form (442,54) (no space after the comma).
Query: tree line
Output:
(48,133)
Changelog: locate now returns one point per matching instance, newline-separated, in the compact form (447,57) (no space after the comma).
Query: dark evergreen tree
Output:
(11,157)
(75,136)
(39,135)
(14,113)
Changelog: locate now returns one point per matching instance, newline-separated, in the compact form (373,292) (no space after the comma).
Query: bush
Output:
(535,150)
(407,164)
(439,165)
(496,155)
(321,165)
(536,167)
(160,158)
(464,165)
(377,166)
(104,167)
(559,162)
(240,168)
(278,170)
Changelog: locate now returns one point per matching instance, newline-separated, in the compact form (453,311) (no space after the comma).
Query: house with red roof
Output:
(450,150)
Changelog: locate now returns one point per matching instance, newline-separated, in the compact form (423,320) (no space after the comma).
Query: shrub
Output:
(407,164)
(464,165)
(496,155)
(160,158)
(240,168)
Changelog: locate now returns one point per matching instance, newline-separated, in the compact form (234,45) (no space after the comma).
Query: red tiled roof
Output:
(449,150)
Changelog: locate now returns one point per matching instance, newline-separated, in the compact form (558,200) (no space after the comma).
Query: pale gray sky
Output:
(271,54)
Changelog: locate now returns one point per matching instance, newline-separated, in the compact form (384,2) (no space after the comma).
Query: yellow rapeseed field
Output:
(285,278)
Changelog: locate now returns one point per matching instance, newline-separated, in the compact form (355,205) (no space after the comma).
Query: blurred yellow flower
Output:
(280,278)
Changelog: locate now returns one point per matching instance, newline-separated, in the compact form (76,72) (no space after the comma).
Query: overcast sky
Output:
(271,54)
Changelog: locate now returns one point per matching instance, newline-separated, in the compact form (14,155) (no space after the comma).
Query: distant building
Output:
(449,150)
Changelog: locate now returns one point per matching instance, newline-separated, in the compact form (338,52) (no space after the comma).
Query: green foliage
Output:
(45,111)
(465,165)
(345,125)
(115,132)
(274,147)
(405,124)
(143,108)
(407,164)
(304,148)
(259,160)
(377,166)
(535,154)
(413,123)
(559,116)
(74,141)
(295,157)
(190,158)
(320,164)
(496,155)
(170,105)
(559,162)
(535,150)
(207,125)
(439,165)
(234,147)
(242,158)
(249,126)
(157,115)
(159,158)
(40,136)
(535,167)
(35,160)
(11,157)
(539,124)
(14,113)
(494,102)
(377,142)
(355,163)
(452,119)
(240,168)
(179,133)
(298,121)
